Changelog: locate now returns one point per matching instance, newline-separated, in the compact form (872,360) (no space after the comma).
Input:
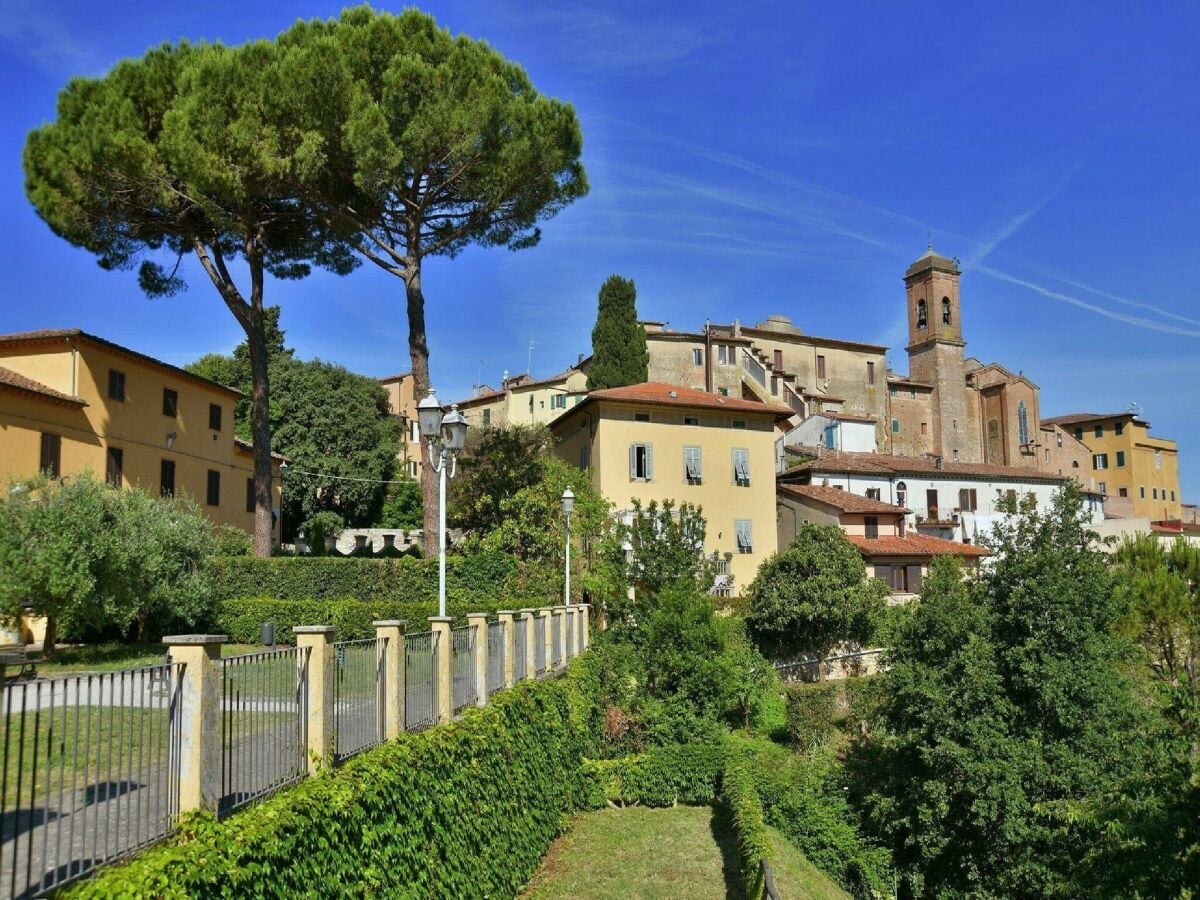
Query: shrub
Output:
(466,809)
(661,776)
(810,713)
(740,798)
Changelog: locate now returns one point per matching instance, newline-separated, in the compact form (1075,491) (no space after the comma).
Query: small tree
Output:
(667,545)
(815,595)
(619,353)
(495,465)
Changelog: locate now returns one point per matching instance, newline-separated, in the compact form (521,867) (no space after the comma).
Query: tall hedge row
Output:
(661,776)
(740,798)
(462,810)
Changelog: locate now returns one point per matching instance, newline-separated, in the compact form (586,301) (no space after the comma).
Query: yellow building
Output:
(402,399)
(661,442)
(1139,473)
(72,402)
(522,400)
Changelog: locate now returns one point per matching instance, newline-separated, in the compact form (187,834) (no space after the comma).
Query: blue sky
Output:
(787,157)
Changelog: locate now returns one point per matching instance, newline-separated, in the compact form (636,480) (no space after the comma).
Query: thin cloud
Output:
(44,38)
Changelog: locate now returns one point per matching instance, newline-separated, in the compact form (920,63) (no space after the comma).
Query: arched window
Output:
(921,314)
(945,310)
(901,493)
(1022,424)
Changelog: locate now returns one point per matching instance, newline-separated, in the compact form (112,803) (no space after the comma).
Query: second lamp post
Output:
(568,503)
(445,433)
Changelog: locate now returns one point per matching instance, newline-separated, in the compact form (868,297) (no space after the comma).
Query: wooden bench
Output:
(25,665)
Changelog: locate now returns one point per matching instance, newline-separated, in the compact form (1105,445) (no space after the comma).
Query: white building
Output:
(829,431)
(955,501)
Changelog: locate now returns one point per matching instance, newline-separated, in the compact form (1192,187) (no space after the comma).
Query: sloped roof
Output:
(914,545)
(17,382)
(846,501)
(657,393)
(844,417)
(885,464)
(248,447)
(1081,417)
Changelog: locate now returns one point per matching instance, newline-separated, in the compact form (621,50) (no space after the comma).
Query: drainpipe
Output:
(708,366)
(74,366)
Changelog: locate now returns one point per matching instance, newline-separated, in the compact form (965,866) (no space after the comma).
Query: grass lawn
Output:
(795,877)
(108,657)
(651,854)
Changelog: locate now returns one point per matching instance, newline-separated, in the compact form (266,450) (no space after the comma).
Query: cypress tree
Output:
(619,353)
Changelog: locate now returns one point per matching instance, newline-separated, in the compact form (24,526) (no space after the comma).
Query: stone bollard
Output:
(391,670)
(479,625)
(509,629)
(530,634)
(199,720)
(443,656)
(318,639)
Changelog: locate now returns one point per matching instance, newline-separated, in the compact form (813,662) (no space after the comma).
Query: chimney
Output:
(737,328)
(579,362)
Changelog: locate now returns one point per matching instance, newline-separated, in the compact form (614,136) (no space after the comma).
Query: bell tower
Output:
(935,355)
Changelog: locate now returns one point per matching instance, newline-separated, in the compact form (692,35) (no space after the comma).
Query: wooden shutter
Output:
(872,526)
(214,488)
(649,462)
(914,578)
(114,466)
(974,500)
(633,462)
(51,455)
(166,478)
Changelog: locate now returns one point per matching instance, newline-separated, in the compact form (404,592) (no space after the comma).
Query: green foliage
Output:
(810,714)
(320,528)
(619,353)
(94,560)
(229,540)
(740,798)
(1004,698)
(402,507)
(495,465)
(659,776)
(752,680)
(461,810)
(815,595)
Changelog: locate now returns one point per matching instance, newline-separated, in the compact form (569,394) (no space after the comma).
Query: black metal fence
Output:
(264,724)
(91,772)
(464,691)
(420,680)
(359,695)
(495,657)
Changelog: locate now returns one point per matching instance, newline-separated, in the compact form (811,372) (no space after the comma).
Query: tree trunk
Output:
(821,666)
(418,352)
(260,433)
(51,637)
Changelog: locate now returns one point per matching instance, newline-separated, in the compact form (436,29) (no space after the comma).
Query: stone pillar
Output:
(391,670)
(584,626)
(530,659)
(443,656)
(478,622)
(199,720)
(547,634)
(561,613)
(572,631)
(505,618)
(318,639)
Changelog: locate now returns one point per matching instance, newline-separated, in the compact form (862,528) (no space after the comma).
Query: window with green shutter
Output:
(692,471)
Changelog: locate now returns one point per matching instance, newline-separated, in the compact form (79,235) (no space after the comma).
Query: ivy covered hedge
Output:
(462,810)
(745,809)
(661,776)
(813,709)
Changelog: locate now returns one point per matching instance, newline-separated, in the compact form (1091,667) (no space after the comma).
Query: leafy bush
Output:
(462,810)
(661,776)
(810,713)
(740,798)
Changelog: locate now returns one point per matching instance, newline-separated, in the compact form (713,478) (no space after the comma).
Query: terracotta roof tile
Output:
(914,545)
(885,464)
(1077,418)
(248,446)
(846,501)
(675,395)
(17,381)
(845,417)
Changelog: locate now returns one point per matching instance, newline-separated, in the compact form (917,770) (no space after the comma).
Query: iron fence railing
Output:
(358,695)
(520,649)
(572,647)
(496,650)
(556,659)
(264,724)
(463,689)
(91,772)
(420,680)
(539,645)
(754,367)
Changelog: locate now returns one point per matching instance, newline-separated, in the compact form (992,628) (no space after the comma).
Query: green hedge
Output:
(661,776)
(242,619)
(482,578)
(740,798)
(462,810)
(811,709)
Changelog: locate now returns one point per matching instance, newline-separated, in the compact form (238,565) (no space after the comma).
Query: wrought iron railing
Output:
(496,650)
(556,659)
(754,367)
(520,649)
(420,680)
(539,646)
(463,689)
(359,695)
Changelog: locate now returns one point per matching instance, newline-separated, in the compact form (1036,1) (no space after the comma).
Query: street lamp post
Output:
(568,503)
(445,434)
(283,467)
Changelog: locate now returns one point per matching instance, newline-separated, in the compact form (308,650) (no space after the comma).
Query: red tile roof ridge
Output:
(16,380)
(846,501)
(914,545)
(677,395)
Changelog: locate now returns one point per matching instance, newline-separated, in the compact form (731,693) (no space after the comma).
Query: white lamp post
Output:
(568,503)
(283,467)
(445,433)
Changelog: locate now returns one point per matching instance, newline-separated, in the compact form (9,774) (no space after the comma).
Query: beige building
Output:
(1140,471)
(402,400)
(661,442)
(72,402)
(523,400)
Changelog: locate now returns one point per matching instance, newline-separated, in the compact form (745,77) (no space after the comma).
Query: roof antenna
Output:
(529,364)
(929,235)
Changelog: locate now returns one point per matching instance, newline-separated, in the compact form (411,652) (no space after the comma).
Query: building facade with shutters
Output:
(523,400)
(71,402)
(402,401)
(662,442)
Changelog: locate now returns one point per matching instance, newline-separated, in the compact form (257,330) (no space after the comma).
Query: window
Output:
(411,468)
(51,455)
(778,357)
(968,499)
(1099,461)
(166,478)
(901,493)
(1120,459)
(692,472)
(250,495)
(558,401)
(924,428)
(116,385)
(741,467)
(931,504)
(641,462)
(873,493)
(1022,424)
(1155,492)
(921,319)
(871,524)
(641,417)
(775,385)
(738,423)
(1118,428)
(415,428)
(487,417)
(820,366)
(1079,434)
(1172,496)
(691,420)
(1141,493)
(1102,486)
(1058,437)
(114,466)
(912,393)
(955,452)
(697,356)
(945,310)
(895,426)
(583,457)
(214,488)
(1098,431)
(1158,459)
(745,539)
(900,579)
(724,392)
(170,402)
(1122,492)
(892,390)
(870,373)
(214,416)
